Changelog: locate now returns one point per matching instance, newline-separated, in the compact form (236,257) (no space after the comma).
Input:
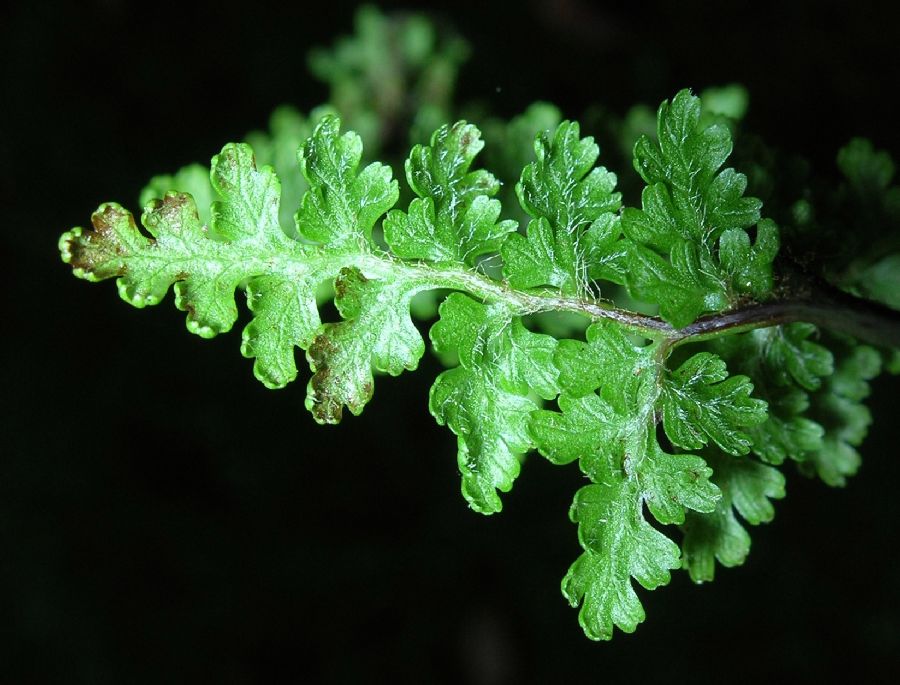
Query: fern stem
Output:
(828,308)
(865,320)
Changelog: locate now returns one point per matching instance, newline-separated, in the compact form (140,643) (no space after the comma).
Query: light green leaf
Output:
(684,285)
(250,210)
(541,257)
(511,143)
(491,425)
(689,250)
(612,433)
(454,218)
(586,429)
(342,204)
(562,184)
(486,401)
(610,360)
(673,484)
(192,179)
(288,130)
(605,253)
(749,268)
(276,147)
(619,545)
(376,332)
(565,195)
(700,402)
(206,265)
(605,442)
(284,316)
(442,168)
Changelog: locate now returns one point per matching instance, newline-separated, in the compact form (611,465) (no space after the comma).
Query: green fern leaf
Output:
(612,433)
(785,365)
(619,544)
(634,395)
(376,332)
(343,203)
(565,196)
(205,265)
(486,401)
(454,218)
(689,251)
(838,408)
(700,402)
(192,179)
(746,487)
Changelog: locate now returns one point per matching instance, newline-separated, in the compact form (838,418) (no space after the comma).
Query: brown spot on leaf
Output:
(319,350)
(99,252)
(326,408)
(188,306)
(345,279)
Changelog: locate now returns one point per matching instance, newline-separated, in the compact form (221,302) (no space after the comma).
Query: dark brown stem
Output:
(831,309)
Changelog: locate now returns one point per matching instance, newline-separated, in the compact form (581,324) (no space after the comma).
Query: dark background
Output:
(164,518)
